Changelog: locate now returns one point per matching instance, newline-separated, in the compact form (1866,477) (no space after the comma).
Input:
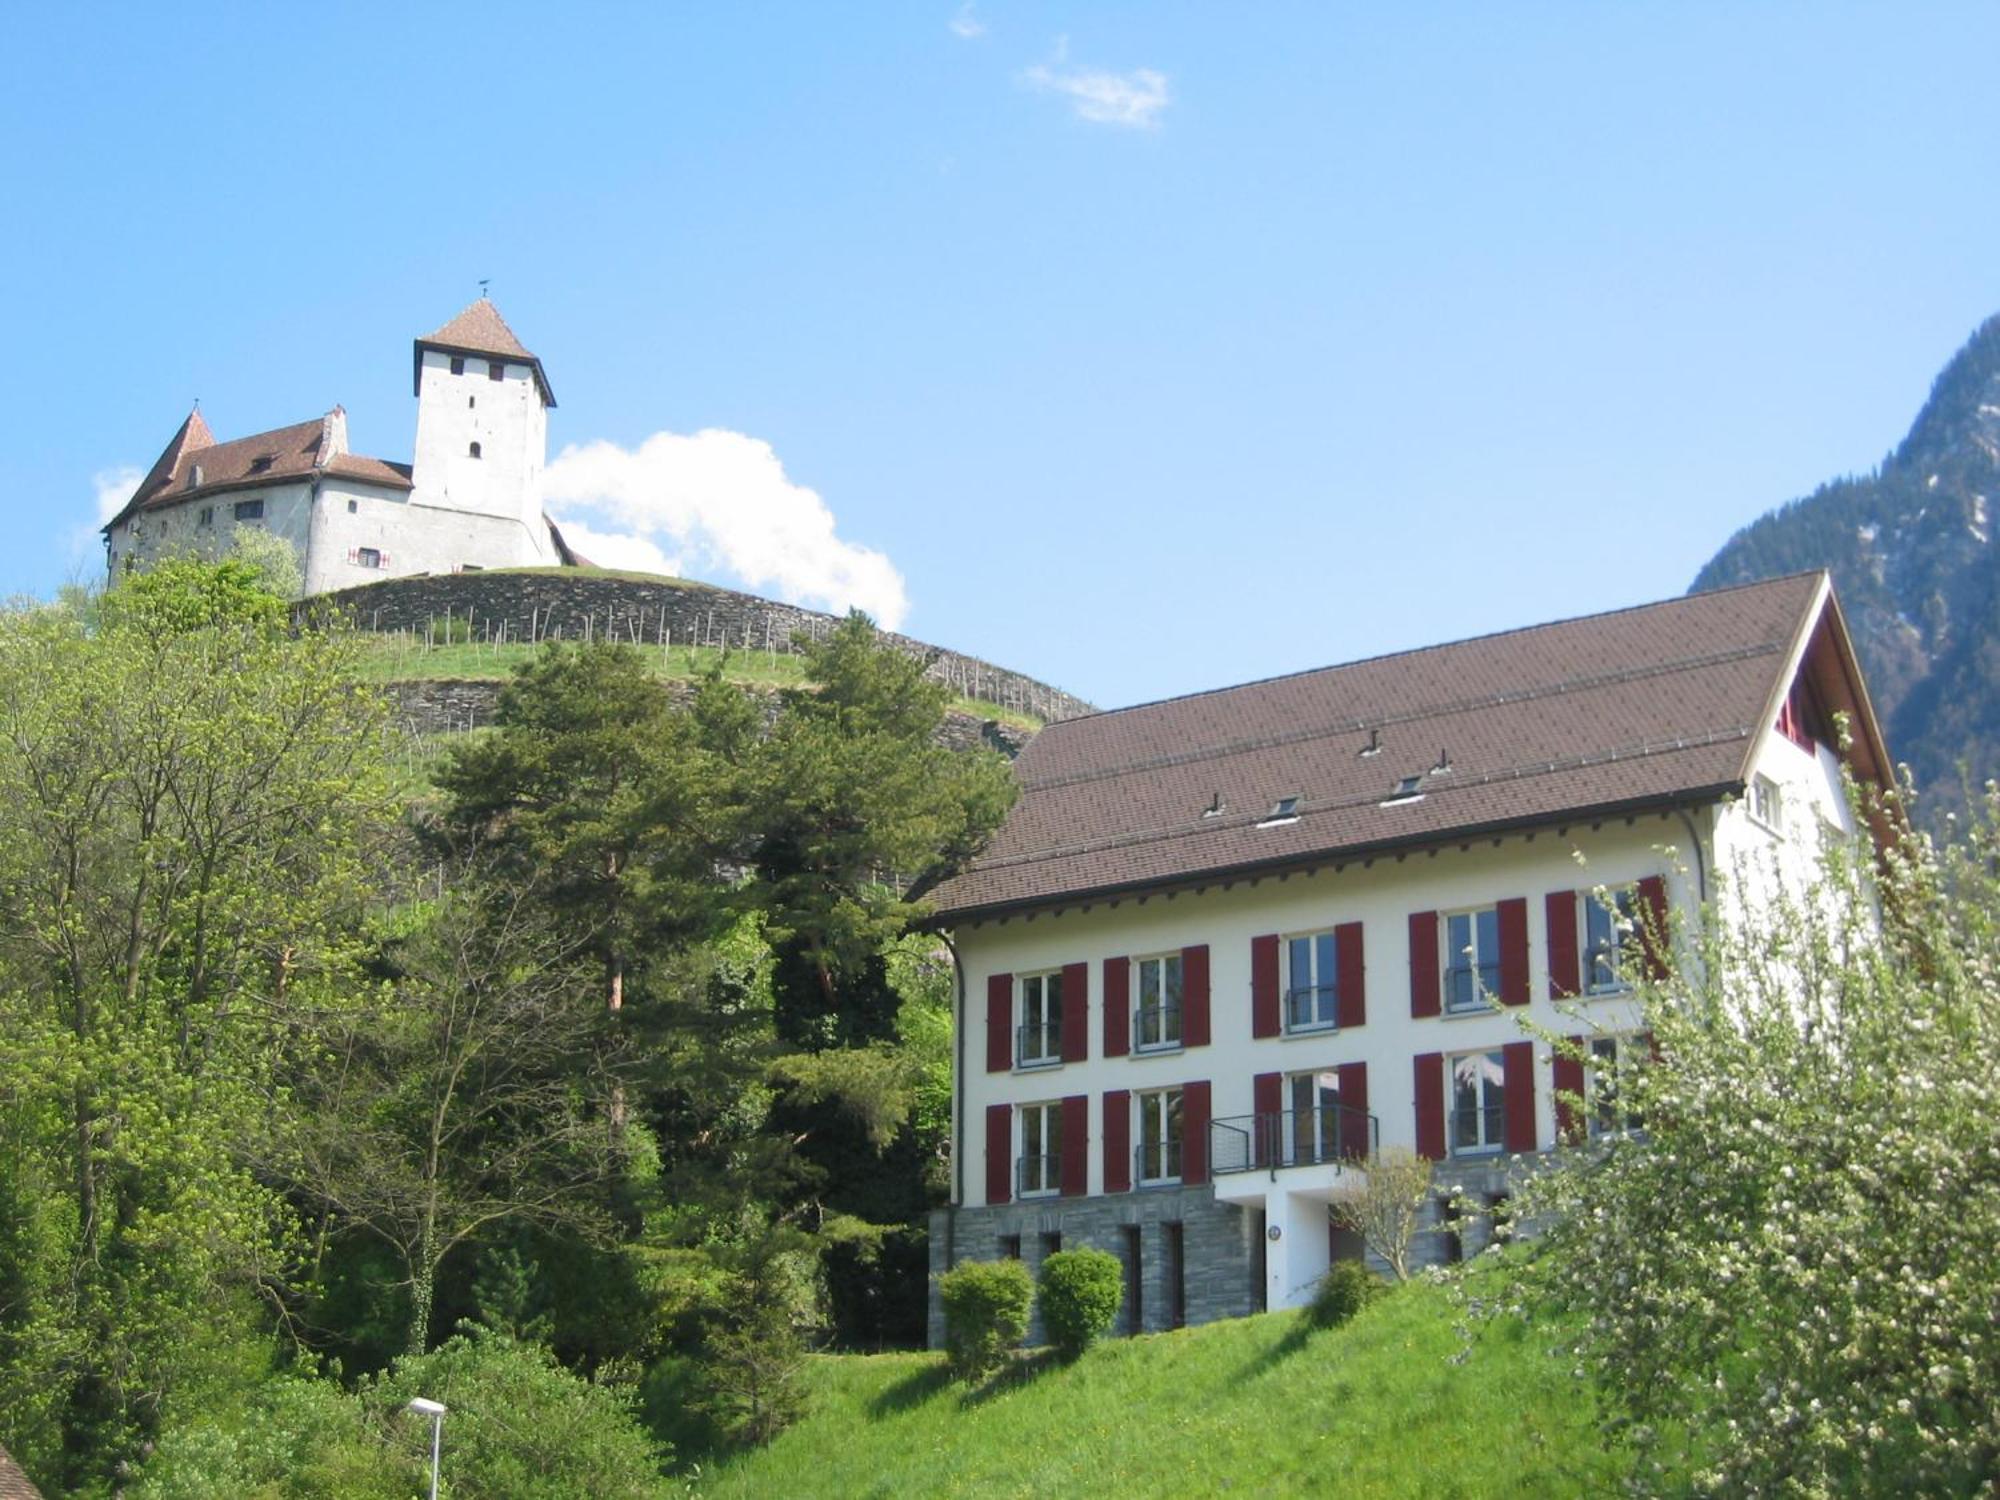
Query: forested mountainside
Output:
(1910,549)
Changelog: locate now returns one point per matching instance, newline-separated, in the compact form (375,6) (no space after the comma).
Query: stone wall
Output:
(454,705)
(587,604)
(1220,1277)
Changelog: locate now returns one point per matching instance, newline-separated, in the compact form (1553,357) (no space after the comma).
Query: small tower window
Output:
(458,364)
(207,516)
(495,370)
(353,506)
(248,510)
(475,450)
(194,477)
(470,402)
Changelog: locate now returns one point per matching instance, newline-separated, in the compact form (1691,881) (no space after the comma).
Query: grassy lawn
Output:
(1256,1406)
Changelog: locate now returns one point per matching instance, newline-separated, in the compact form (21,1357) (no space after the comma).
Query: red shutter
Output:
(1194,1132)
(1424,965)
(1354,1131)
(1117,1006)
(1194,996)
(1267,1098)
(1653,925)
(1076,1013)
(1517,1062)
(999,1022)
(1513,923)
(1568,1079)
(1565,975)
(1430,1105)
(1075,1163)
(1350,976)
(1117,1141)
(1264,986)
(999,1152)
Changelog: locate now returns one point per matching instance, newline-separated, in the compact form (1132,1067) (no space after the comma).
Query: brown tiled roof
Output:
(14,1485)
(480,329)
(283,454)
(1644,706)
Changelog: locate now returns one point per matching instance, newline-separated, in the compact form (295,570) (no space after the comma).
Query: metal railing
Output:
(1312,1007)
(1037,1045)
(1290,1138)
(1159,1162)
(1156,1026)
(1037,1175)
(1477,1132)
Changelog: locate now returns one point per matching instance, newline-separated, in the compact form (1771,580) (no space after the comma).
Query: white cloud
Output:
(719,499)
(113,488)
(1134,100)
(965,25)
(613,549)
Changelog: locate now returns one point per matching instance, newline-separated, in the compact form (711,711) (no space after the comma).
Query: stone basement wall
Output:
(453,705)
(582,604)
(1215,1247)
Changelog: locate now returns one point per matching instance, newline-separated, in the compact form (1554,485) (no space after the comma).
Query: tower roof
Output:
(480,330)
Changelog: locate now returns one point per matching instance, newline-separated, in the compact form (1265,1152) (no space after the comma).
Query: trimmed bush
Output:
(1346,1288)
(985,1314)
(1080,1292)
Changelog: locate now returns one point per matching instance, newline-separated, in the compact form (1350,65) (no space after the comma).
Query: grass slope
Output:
(1255,1406)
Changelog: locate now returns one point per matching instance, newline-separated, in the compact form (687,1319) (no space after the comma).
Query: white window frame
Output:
(1489,1114)
(1312,1128)
(1158,1161)
(1618,934)
(1169,1017)
(1611,1055)
(1034,994)
(1323,986)
(1481,996)
(1039,1130)
(1765,799)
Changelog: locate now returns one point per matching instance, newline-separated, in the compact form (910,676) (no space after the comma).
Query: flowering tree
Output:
(1787,1286)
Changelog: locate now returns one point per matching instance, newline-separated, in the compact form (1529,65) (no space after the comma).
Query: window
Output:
(1310,982)
(1478,1103)
(1471,959)
(1038,1043)
(1135,1283)
(1040,1167)
(248,510)
(1451,1227)
(1176,1241)
(1611,940)
(1051,1242)
(1156,1024)
(1160,1136)
(1010,1247)
(353,506)
(1312,1125)
(1767,803)
(368,557)
(206,517)
(495,370)
(1611,1057)
(1284,810)
(194,477)
(471,403)
(474,450)
(260,463)
(458,364)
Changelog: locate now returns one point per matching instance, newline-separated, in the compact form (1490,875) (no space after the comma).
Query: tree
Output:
(1384,1204)
(1786,1285)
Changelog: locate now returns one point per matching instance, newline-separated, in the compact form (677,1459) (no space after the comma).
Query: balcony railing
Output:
(1290,1138)
(1311,1007)
(1036,1176)
(1038,1044)
(1478,1132)
(1155,1027)
(1157,1162)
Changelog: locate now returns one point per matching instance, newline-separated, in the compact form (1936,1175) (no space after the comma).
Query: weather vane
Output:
(483,281)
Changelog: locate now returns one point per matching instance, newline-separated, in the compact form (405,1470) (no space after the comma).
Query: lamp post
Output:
(424,1406)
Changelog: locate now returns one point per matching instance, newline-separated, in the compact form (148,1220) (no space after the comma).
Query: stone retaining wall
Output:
(585,604)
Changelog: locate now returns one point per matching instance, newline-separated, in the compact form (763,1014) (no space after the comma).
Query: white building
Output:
(471,499)
(1226,946)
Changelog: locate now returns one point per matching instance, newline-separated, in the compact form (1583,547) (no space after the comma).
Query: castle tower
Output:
(482,423)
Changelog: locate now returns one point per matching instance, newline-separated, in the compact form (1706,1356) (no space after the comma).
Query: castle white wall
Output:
(504,417)
(410,537)
(179,529)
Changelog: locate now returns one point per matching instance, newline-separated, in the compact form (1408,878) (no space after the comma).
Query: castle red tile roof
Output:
(1643,707)
(282,455)
(480,330)
(14,1485)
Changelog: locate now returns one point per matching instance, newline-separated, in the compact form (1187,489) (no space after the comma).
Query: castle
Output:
(470,499)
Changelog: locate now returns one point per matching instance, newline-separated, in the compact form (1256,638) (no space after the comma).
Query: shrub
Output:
(1080,1291)
(1346,1288)
(985,1314)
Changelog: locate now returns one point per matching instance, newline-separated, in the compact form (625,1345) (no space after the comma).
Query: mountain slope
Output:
(1910,549)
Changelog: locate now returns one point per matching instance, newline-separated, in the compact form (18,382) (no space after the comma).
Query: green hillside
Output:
(1255,1406)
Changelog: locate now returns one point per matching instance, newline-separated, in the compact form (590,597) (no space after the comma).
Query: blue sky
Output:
(1144,348)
